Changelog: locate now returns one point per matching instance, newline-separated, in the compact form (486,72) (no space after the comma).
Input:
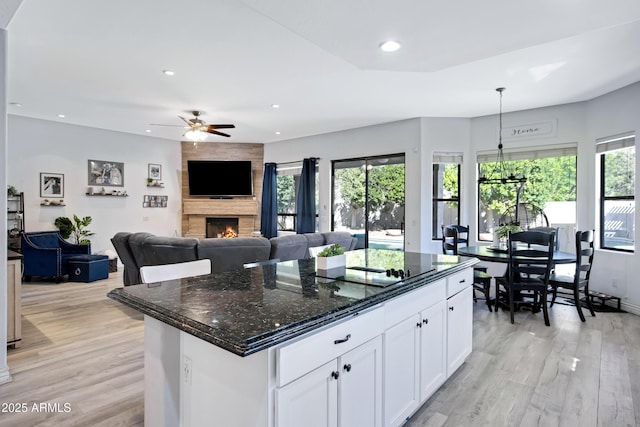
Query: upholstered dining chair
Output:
(530,266)
(481,280)
(179,270)
(580,279)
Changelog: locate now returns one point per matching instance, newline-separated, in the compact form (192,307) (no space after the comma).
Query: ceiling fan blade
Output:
(158,124)
(221,127)
(215,132)
(189,122)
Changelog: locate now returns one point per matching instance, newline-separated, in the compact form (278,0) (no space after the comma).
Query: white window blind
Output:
(615,143)
(289,169)
(441,157)
(529,153)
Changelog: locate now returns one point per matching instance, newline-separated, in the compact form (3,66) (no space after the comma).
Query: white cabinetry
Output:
(414,351)
(347,391)
(459,319)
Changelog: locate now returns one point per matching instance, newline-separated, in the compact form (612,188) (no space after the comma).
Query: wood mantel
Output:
(195,210)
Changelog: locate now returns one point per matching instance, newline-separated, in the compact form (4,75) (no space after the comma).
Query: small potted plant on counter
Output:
(331,257)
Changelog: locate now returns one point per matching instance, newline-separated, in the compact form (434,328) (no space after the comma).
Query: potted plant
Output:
(75,228)
(331,257)
(502,233)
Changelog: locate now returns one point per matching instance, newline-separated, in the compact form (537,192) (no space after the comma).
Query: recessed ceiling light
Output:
(277,133)
(390,46)
(61,116)
(15,104)
(275,105)
(168,72)
(148,131)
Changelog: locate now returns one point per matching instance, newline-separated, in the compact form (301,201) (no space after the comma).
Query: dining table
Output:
(495,254)
(501,255)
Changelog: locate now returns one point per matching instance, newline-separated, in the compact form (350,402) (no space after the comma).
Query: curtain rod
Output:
(297,161)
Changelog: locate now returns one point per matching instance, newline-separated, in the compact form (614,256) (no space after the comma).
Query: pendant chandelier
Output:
(500,174)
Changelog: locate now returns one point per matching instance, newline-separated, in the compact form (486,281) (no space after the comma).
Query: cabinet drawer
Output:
(398,309)
(307,353)
(459,281)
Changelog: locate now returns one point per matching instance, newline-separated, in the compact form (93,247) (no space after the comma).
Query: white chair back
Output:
(158,273)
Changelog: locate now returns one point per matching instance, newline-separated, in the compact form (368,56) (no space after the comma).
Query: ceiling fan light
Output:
(195,135)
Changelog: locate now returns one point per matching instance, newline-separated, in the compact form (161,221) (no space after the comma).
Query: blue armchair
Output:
(46,254)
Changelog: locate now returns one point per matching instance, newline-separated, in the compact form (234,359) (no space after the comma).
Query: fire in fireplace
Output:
(222,227)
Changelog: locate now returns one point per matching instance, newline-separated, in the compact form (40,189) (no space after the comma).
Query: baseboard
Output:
(5,376)
(630,308)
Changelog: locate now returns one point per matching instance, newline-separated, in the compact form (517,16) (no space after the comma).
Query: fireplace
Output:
(222,227)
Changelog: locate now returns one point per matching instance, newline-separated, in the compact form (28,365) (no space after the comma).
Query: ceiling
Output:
(100,62)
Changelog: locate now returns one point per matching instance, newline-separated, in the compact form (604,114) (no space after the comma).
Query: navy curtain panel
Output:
(306,198)
(269,215)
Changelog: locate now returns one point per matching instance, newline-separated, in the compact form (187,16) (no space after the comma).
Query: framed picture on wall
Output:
(155,171)
(106,173)
(51,184)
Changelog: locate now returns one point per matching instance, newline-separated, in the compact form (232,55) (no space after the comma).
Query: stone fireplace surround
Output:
(196,210)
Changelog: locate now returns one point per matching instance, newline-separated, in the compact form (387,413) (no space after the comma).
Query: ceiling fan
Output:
(199,128)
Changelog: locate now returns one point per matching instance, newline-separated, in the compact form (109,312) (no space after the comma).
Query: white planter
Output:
(330,262)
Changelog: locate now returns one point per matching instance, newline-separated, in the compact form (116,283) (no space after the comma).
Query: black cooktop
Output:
(380,267)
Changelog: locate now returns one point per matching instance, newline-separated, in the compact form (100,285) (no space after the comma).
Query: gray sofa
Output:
(296,246)
(139,249)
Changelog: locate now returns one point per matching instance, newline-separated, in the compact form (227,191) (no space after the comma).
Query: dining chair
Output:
(481,280)
(580,279)
(463,233)
(549,230)
(179,270)
(530,266)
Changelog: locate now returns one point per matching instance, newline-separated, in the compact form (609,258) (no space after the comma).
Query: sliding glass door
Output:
(368,200)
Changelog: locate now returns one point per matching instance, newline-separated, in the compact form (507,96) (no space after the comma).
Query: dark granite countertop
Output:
(245,311)
(13,255)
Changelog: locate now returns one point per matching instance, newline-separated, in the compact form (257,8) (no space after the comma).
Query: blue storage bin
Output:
(88,268)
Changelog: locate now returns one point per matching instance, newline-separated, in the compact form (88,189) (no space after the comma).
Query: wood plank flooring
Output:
(82,349)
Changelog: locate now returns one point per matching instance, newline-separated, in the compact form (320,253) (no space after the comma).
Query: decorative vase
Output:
(330,262)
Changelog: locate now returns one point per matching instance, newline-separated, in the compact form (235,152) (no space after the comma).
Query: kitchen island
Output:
(282,344)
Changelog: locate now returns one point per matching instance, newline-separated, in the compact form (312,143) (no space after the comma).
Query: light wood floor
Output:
(82,349)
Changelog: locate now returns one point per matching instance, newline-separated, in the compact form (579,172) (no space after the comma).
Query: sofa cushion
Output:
(343,238)
(148,249)
(314,239)
(285,248)
(232,254)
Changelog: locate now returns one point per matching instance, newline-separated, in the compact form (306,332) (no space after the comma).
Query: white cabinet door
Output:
(401,370)
(459,329)
(360,386)
(310,401)
(433,368)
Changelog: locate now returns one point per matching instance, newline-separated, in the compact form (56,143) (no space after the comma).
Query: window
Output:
(548,198)
(617,189)
(287,183)
(368,200)
(446,192)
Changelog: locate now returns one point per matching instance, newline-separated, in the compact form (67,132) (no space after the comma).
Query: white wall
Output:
(443,135)
(45,146)
(617,112)
(4,369)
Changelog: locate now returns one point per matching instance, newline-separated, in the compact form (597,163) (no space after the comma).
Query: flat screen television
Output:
(220,178)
